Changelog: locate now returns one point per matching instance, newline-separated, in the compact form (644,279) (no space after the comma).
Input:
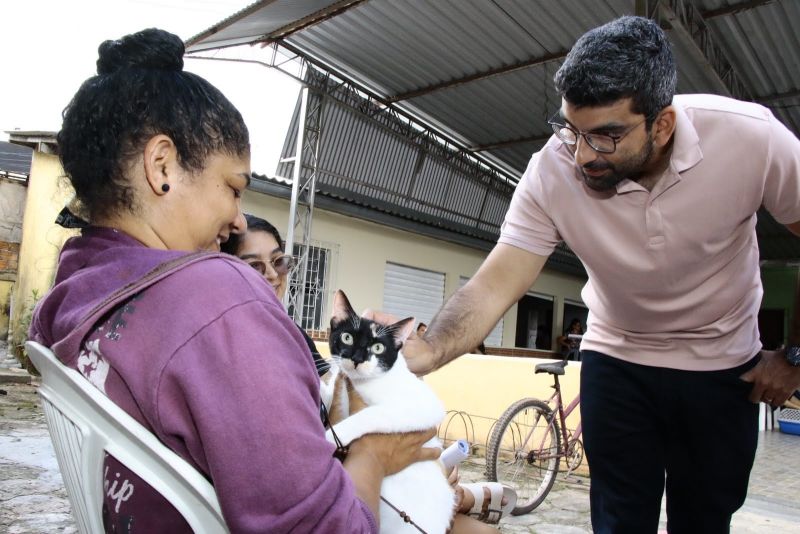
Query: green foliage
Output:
(18,344)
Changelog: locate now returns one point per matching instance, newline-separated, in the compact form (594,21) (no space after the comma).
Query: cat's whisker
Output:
(388,329)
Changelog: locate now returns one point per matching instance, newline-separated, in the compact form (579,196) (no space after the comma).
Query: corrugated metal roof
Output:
(479,71)
(15,159)
(399,175)
(382,164)
(763,47)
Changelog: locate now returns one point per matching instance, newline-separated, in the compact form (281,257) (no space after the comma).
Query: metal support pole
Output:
(301,207)
(295,292)
(689,26)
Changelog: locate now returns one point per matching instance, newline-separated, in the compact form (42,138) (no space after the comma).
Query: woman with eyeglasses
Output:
(261,247)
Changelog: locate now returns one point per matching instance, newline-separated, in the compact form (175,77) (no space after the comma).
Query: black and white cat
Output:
(367,358)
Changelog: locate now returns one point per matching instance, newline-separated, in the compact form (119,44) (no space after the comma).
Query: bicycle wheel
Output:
(523,452)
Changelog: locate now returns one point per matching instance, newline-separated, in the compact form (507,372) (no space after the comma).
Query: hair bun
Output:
(147,49)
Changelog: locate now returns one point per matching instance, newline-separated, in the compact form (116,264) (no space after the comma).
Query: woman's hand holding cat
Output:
(395,452)
(375,456)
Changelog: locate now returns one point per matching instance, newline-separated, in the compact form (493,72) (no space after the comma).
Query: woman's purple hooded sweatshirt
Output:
(209,361)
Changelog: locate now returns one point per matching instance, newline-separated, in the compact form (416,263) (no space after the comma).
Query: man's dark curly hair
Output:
(629,57)
(140,90)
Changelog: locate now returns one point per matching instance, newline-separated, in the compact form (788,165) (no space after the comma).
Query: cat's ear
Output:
(342,310)
(401,330)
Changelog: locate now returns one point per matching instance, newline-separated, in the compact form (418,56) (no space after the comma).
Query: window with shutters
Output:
(410,291)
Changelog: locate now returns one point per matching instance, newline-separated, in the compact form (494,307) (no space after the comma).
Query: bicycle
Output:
(529,441)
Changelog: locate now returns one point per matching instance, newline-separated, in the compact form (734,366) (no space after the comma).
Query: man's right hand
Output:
(419,354)
(502,279)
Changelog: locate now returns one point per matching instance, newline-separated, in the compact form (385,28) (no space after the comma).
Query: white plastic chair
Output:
(84,423)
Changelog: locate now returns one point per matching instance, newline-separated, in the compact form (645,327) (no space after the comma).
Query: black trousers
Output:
(646,425)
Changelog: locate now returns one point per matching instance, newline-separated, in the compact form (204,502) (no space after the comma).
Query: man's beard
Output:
(630,169)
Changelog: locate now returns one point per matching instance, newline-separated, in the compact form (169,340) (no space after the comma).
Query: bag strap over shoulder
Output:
(126,292)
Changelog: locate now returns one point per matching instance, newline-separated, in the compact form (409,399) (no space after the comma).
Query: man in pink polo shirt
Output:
(658,197)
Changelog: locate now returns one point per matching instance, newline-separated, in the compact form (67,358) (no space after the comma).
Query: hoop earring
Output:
(165,187)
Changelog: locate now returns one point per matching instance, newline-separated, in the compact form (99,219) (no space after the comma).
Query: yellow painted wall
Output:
(365,247)
(5,304)
(482,387)
(41,237)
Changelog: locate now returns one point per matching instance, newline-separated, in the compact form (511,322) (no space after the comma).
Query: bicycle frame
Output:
(556,401)
(563,413)
(525,451)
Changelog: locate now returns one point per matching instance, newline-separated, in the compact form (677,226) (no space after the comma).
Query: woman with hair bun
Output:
(191,342)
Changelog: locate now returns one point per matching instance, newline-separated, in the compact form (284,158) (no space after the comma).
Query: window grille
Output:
(320,270)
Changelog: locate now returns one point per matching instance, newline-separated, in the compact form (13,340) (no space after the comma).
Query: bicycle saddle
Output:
(556,368)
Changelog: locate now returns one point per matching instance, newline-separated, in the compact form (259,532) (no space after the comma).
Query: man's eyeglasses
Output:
(281,265)
(603,143)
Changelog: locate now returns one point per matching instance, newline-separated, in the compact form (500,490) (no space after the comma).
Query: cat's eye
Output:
(347,338)
(377,348)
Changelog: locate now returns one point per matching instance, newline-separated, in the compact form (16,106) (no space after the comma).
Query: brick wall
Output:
(522,353)
(9,256)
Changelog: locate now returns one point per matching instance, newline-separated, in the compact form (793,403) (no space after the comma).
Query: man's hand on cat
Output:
(395,452)
(419,355)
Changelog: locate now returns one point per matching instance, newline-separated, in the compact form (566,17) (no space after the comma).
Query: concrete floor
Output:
(33,500)
(32,495)
(772,505)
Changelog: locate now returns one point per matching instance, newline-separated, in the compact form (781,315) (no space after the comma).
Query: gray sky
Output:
(48,47)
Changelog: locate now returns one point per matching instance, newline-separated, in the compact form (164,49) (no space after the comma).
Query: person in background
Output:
(201,353)
(421,328)
(657,194)
(570,348)
(262,248)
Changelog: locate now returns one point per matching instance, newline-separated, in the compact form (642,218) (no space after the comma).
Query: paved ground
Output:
(32,495)
(772,505)
(33,501)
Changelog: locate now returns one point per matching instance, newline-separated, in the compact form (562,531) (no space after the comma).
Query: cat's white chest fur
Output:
(397,401)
